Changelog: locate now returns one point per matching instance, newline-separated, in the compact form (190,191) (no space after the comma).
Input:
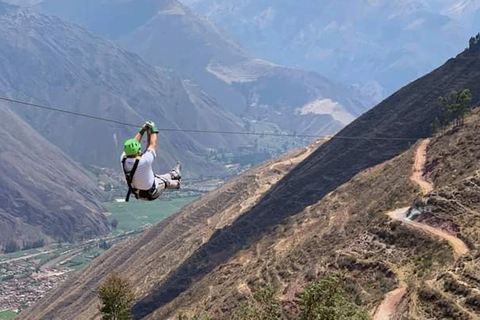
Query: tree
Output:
(114,223)
(117,298)
(10,247)
(474,43)
(454,107)
(104,244)
(324,300)
(436,125)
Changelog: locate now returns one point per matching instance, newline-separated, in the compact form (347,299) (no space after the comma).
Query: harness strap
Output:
(129,176)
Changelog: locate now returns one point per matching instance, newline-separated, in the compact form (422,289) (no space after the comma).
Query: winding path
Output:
(458,245)
(389,305)
(419,168)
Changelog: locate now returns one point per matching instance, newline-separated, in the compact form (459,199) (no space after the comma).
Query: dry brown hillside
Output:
(176,266)
(335,211)
(166,246)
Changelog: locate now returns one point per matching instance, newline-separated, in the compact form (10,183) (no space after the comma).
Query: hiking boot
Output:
(176,172)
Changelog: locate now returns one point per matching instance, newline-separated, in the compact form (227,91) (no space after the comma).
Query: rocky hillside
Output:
(342,208)
(45,195)
(63,65)
(168,34)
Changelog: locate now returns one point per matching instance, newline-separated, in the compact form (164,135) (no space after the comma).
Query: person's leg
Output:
(167,181)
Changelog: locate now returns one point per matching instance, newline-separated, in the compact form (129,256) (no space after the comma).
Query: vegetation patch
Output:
(7,315)
(439,307)
(452,285)
(321,300)
(474,302)
(136,214)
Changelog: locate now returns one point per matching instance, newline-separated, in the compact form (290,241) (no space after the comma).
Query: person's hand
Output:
(144,128)
(151,126)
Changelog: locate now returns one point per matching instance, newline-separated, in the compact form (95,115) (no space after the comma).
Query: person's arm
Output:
(138,137)
(152,135)
(152,140)
(140,133)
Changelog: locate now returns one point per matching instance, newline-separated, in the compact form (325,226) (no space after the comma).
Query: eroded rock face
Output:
(45,195)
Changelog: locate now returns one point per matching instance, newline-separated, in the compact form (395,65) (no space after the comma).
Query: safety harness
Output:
(139,194)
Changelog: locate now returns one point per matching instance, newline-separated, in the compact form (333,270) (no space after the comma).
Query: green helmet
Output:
(131,147)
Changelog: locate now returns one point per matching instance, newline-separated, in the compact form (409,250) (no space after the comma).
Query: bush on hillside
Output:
(451,285)
(116,297)
(10,247)
(474,302)
(181,316)
(33,245)
(324,300)
(321,300)
(453,108)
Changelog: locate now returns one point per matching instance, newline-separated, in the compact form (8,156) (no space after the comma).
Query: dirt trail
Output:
(393,298)
(389,304)
(419,167)
(458,245)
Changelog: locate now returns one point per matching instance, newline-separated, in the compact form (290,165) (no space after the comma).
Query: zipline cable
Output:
(205,131)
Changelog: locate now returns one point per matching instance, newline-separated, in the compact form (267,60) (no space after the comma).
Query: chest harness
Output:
(139,194)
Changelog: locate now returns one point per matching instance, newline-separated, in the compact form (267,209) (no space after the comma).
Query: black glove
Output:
(143,129)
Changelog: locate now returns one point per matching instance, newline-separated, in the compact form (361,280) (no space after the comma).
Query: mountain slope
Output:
(61,64)
(170,35)
(45,195)
(328,213)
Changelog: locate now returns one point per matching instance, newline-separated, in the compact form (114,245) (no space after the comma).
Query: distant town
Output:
(28,275)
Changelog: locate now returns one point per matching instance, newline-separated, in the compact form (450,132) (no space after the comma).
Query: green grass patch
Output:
(136,214)
(7,315)
(83,259)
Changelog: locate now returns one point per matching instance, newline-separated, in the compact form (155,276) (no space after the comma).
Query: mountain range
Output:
(168,34)
(160,61)
(383,45)
(60,64)
(323,210)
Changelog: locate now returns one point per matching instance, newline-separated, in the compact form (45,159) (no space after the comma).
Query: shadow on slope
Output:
(406,114)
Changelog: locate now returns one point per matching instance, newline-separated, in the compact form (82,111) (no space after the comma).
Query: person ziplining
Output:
(137,167)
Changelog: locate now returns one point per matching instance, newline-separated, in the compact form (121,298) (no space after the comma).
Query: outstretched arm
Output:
(152,134)
(140,133)
(138,137)
(152,140)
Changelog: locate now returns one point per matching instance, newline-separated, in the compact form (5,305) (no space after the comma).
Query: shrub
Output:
(10,247)
(117,298)
(451,285)
(474,302)
(324,300)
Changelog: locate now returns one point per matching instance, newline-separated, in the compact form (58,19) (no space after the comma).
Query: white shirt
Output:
(144,177)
